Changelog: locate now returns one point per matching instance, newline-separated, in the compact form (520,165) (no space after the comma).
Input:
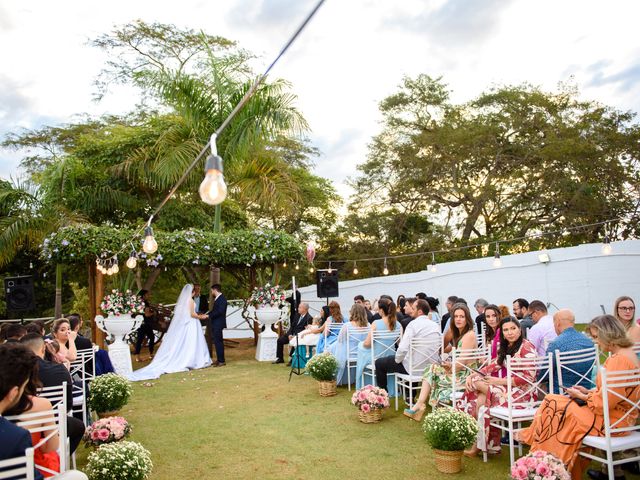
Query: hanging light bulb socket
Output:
(497,261)
(433,267)
(355,268)
(213,190)
(385,270)
(329,270)
(606,246)
(149,245)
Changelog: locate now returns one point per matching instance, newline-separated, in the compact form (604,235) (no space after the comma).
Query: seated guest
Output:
(311,333)
(297,325)
(351,334)
(388,323)
(15,332)
(17,364)
(52,353)
(52,375)
(420,327)
(75,322)
(491,335)
(433,309)
(437,383)
(570,340)
(563,438)
(330,335)
(61,331)
(480,305)
(408,312)
(521,312)
(624,310)
(484,391)
(377,316)
(400,301)
(3,331)
(359,299)
(542,333)
(444,322)
(37,326)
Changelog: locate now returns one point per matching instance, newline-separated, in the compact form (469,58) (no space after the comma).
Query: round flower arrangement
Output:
(370,398)
(109,393)
(450,429)
(106,430)
(268,296)
(539,465)
(118,461)
(122,303)
(323,367)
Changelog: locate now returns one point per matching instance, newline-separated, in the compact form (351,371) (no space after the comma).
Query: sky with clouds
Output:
(352,55)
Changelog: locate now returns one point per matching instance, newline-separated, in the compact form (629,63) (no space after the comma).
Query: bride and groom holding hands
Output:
(184,346)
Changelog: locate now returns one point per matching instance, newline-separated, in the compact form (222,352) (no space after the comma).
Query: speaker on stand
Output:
(327,283)
(19,293)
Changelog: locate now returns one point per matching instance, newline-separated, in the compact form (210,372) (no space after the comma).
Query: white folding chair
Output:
(519,407)
(22,468)
(358,333)
(575,367)
(480,336)
(621,389)
(422,353)
(383,344)
(56,394)
(460,360)
(40,423)
(332,330)
(82,372)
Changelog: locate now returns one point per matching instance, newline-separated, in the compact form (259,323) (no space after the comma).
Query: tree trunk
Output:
(58,304)
(148,283)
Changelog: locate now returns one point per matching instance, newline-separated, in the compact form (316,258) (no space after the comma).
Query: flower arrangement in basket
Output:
(370,401)
(122,303)
(539,465)
(106,430)
(323,368)
(449,432)
(109,393)
(268,296)
(120,460)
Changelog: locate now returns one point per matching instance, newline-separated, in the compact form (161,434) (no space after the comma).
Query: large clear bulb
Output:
(497,262)
(213,190)
(132,262)
(149,245)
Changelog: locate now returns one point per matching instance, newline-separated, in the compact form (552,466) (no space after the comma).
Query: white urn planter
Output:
(267,340)
(120,327)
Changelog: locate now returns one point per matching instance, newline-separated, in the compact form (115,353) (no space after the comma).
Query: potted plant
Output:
(108,393)
(449,432)
(370,401)
(323,368)
(539,465)
(106,430)
(120,460)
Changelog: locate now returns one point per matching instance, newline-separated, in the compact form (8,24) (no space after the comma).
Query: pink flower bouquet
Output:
(106,430)
(539,465)
(369,398)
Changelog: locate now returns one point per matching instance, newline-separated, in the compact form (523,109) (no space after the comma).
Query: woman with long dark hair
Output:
(330,335)
(485,390)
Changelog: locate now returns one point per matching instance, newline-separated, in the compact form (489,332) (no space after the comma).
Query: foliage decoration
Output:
(79,243)
(450,429)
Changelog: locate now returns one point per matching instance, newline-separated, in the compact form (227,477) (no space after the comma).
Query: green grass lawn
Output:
(246,420)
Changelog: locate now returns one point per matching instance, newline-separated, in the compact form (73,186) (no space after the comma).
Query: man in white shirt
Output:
(419,327)
(543,332)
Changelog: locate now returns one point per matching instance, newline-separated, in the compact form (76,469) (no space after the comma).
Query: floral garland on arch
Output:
(268,296)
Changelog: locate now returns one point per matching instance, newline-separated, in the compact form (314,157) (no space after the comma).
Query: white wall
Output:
(579,278)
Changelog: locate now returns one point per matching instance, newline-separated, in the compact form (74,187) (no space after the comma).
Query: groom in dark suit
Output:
(301,320)
(218,322)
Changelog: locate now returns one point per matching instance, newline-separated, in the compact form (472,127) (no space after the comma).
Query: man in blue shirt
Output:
(569,340)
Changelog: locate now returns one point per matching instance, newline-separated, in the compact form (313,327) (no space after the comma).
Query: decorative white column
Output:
(267,340)
(120,327)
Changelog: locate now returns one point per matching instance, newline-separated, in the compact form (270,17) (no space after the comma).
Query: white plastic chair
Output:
(422,353)
(360,333)
(460,360)
(520,409)
(383,344)
(612,383)
(567,362)
(34,423)
(18,467)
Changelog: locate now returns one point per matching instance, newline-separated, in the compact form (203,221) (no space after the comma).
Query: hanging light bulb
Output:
(132,261)
(284,264)
(330,269)
(297,266)
(385,271)
(149,245)
(31,265)
(355,268)
(433,266)
(606,246)
(213,190)
(115,268)
(497,261)
(311,269)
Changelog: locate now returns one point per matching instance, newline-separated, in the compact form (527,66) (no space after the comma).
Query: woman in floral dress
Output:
(484,390)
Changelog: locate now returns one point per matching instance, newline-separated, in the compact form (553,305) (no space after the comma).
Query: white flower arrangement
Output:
(109,392)
(119,303)
(450,429)
(119,461)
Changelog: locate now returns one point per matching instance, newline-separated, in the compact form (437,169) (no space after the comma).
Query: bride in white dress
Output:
(183,347)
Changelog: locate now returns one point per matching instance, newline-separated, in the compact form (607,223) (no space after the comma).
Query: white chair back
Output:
(532,388)
(82,372)
(55,394)
(423,352)
(576,367)
(354,335)
(623,391)
(22,468)
(461,359)
(333,329)
(480,336)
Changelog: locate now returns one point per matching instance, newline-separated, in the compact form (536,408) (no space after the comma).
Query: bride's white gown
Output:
(183,347)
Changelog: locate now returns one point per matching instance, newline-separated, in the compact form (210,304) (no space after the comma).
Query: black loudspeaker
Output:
(327,283)
(19,293)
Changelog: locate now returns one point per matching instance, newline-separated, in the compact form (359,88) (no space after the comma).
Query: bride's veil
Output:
(182,310)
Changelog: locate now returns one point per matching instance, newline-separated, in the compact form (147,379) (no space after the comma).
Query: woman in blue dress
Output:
(383,347)
(330,334)
(352,333)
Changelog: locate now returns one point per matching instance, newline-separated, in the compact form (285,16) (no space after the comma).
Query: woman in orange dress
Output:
(561,423)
